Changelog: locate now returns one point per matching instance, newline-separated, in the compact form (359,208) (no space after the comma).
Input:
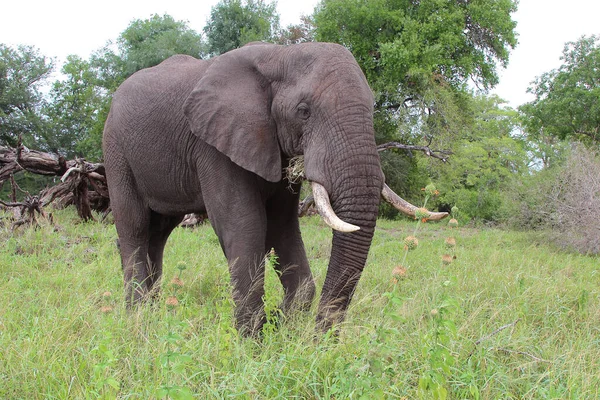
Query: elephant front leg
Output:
(283,235)
(247,279)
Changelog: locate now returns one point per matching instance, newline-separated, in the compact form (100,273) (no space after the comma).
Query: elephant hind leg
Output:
(134,260)
(132,220)
(161,227)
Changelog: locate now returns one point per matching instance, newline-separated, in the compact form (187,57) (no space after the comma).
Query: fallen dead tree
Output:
(82,184)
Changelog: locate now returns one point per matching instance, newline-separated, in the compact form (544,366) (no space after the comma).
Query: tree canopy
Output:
(22,71)
(233,23)
(419,56)
(567,99)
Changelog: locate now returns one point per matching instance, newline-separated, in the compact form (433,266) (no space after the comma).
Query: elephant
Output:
(214,136)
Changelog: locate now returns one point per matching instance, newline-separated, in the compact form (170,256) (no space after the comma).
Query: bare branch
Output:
(439,154)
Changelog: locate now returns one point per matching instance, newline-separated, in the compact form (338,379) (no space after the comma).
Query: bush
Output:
(577,199)
(564,200)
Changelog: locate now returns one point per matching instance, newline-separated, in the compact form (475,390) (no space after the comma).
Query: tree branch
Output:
(439,154)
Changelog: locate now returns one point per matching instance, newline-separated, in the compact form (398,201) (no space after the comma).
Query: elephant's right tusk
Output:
(326,211)
(405,207)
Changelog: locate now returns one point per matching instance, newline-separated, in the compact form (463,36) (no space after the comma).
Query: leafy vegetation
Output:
(233,23)
(510,317)
(22,71)
(567,99)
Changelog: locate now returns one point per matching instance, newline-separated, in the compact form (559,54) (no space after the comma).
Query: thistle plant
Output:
(436,347)
(450,241)
(411,242)
(172,362)
(422,216)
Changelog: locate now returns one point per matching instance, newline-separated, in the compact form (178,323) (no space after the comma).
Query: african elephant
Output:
(215,135)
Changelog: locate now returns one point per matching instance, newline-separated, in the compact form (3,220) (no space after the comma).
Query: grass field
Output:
(510,317)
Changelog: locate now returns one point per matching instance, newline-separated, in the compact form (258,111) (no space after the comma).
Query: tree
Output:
(418,56)
(80,102)
(567,99)
(421,59)
(298,33)
(146,43)
(74,111)
(233,23)
(488,157)
(22,72)
(143,44)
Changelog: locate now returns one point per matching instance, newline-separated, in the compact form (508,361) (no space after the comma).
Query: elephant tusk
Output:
(405,207)
(326,211)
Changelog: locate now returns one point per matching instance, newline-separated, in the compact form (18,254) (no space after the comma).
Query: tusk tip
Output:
(350,228)
(436,216)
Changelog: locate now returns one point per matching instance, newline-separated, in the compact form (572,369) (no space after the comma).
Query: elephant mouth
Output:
(323,205)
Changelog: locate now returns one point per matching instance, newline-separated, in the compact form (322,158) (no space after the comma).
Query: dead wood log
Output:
(83,182)
(26,211)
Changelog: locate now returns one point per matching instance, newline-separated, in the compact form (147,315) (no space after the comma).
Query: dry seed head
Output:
(411,242)
(450,242)
(447,259)
(399,271)
(172,301)
(422,213)
(177,282)
(106,309)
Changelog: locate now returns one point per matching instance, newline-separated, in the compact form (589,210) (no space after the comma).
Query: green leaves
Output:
(146,43)
(567,103)
(234,23)
(22,71)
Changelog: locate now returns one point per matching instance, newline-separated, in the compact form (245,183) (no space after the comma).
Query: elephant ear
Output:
(230,109)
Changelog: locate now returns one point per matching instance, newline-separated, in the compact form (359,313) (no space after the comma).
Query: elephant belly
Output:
(175,198)
(169,189)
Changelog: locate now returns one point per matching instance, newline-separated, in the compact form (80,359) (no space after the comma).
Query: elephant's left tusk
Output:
(405,207)
(326,211)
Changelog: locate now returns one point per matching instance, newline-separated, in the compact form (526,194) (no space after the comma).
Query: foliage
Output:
(414,52)
(22,72)
(488,158)
(233,23)
(299,33)
(567,99)
(146,43)
(80,101)
(74,113)
(419,58)
(59,339)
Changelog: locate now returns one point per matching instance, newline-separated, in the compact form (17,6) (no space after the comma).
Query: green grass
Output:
(55,342)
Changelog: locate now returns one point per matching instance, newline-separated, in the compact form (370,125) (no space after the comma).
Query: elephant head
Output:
(263,104)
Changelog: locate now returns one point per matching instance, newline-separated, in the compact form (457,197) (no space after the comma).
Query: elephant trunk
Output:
(355,200)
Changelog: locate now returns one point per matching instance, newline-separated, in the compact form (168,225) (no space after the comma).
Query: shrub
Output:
(577,199)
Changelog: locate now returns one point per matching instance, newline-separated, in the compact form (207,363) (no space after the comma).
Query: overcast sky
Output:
(62,27)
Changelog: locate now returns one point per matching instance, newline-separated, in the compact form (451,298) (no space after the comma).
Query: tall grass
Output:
(522,321)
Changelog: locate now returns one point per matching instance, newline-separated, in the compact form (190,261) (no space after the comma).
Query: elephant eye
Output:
(303,111)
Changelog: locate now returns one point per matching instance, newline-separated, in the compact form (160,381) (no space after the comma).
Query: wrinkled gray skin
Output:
(193,135)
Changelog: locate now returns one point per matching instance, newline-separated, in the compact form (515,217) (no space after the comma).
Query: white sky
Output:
(62,27)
